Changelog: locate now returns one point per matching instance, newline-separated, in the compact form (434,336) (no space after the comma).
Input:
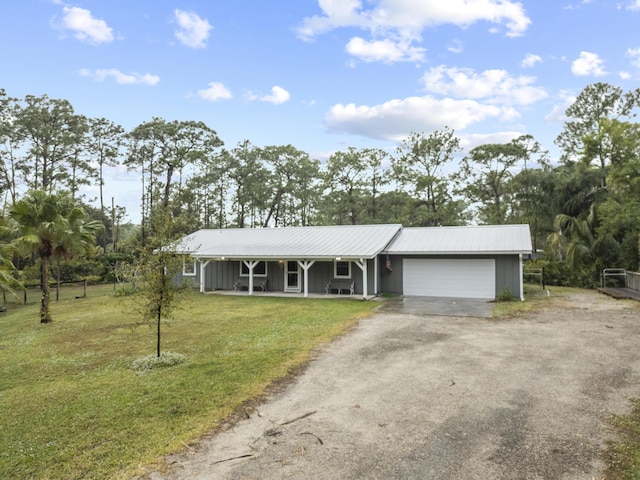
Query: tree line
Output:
(582,208)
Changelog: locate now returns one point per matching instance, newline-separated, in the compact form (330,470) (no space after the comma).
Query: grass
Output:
(536,299)
(73,405)
(623,456)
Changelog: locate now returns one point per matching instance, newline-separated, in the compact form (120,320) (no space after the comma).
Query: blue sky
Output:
(321,75)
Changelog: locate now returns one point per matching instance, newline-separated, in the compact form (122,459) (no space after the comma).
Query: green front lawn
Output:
(73,407)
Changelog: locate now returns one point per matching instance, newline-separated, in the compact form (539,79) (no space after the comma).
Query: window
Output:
(260,270)
(189,268)
(341,269)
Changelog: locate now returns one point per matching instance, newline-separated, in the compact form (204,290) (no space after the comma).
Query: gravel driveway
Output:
(430,397)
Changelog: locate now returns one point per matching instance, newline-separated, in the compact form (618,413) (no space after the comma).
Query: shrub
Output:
(505,295)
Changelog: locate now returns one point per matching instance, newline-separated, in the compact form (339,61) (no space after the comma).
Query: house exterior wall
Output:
(507,272)
(390,281)
(321,273)
(192,280)
(221,275)
(275,276)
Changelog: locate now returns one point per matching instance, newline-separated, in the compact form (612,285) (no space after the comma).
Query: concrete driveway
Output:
(457,307)
(404,397)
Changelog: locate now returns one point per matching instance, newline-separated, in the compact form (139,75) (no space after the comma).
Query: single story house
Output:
(470,261)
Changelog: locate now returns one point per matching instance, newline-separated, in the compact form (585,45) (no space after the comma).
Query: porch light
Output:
(338,258)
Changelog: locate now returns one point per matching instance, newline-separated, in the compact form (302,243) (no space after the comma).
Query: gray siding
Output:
(390,282)
(322,273)
(192,281)
(221,275)
(507,272)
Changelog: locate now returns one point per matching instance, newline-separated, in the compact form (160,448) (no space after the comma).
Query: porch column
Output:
(250,264)
(306,265)
(376,274)
(362,263)
(521,279)
(203,265)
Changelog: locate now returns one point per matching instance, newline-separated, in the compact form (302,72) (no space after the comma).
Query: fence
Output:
(613,273)
(633,280)
(32,293)
(624,278)
(534,272)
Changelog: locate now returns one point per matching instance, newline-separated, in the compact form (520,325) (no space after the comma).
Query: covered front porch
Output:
(321,277)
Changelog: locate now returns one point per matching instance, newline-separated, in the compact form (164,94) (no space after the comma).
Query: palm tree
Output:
(51,225)
(8,283)
(576,239)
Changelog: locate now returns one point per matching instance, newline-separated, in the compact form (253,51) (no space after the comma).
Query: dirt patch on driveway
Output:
(412,396)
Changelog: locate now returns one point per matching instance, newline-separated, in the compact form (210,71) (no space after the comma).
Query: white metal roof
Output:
(345,241)
(485,239)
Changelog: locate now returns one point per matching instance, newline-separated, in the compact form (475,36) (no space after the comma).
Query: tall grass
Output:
(73,406)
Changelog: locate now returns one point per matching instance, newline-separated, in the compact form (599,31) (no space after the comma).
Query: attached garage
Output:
(468,278)
(481,262)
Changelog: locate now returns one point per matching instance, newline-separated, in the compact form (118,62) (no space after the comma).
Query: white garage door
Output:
(474,278)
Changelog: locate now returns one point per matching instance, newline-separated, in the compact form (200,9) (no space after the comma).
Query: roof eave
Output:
(456,252)
(283,257)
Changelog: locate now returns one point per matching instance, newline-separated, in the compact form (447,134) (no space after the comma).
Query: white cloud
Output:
(278,95)
(588,64)
(414,15)
(84,26)
(386,50)
(634,5)
(337,13)
(395,119)
(634,54)
(558,113)
(467,142)
(530,60)
(192,31)
(395,25)
(216,91)
(250,96)
(456,46)
(496,86)
(577,6)
(121,78)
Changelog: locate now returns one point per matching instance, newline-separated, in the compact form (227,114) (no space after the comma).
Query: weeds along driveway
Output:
(427,397)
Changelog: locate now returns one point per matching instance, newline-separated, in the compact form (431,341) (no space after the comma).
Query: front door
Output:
(292,277)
